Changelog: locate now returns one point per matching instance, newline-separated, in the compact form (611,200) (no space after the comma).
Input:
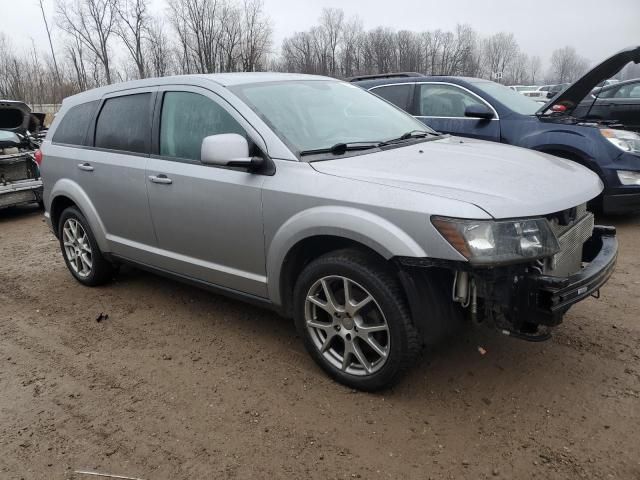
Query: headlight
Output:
(487,242)
(624,140)
(628,178)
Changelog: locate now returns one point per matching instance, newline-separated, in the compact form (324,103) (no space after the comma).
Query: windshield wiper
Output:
(413,134)
(340,148)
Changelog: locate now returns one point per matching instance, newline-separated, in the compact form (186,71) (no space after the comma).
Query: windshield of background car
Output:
(317,114)
(510,99)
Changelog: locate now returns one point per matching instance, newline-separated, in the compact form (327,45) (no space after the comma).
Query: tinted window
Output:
(445,101)
(73,126)
(124,123)
(187,118)
(396,94)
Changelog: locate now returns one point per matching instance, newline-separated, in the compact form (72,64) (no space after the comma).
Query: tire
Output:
(82,254)
(350,342)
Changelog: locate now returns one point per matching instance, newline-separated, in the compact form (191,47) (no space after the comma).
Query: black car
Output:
(478,108)
(619,102)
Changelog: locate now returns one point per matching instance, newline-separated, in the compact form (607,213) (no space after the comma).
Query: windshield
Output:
(318,114)
(510,99)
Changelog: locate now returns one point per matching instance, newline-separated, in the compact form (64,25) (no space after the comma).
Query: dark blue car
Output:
(478,108)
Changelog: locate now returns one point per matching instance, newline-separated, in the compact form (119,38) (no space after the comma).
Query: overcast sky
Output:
(596,28)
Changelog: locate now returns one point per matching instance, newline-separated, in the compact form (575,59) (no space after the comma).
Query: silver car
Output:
(313,197)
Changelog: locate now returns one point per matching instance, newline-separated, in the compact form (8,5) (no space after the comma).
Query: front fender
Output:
(70,189)
(371,230)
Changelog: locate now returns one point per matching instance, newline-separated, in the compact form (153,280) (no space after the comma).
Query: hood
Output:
(505,181)
(579,89)
(14,116)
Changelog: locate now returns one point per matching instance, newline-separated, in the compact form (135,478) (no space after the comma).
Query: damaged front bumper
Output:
(518,300)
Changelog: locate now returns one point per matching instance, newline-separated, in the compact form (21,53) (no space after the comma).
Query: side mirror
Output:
(478,110)
(551,94)
(228,150)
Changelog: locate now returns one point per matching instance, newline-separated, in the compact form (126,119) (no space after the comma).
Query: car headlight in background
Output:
(489,242)
(624,140)
(628,178)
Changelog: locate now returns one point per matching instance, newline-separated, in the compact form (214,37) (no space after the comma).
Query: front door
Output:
(442,107)
(207,219)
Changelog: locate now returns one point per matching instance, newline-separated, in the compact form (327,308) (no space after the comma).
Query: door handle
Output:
(85,166)
(161,178)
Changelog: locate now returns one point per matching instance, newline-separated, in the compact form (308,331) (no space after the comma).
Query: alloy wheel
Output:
(347,325)
(77,247)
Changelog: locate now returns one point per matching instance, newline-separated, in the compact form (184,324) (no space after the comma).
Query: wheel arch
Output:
(319,230)
(66,193)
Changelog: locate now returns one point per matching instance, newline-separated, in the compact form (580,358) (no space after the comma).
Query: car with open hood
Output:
(313,197)
(19,173)
(617,102)
(478,108)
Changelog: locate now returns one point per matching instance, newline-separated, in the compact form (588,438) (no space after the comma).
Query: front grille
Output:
(571,238)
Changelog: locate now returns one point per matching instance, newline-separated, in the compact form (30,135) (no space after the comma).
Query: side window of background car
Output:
(631,90)
(399,95)
(124,123)
(444,101)
(187,118)
(73,126)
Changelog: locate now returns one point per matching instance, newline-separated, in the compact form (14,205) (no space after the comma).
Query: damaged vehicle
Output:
(21,133)
(318,199)
(478,108)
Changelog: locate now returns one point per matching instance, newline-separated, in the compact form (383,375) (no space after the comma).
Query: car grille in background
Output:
(571,239)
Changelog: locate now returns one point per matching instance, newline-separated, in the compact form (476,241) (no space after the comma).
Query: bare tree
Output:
(498,52)
(256,35)
(567,65)
(535,64)
(92,22)
(331,22)
(131,28)
(158,51)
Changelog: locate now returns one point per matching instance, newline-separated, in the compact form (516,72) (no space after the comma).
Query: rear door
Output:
(442,107)
(112,170)
(208,219)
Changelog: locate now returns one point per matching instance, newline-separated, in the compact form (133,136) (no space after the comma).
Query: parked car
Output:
(555,90)
(19,173)
(318,199)
(531,91)
(478,108)
(618,102)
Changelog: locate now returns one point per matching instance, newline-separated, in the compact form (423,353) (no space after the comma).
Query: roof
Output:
(222,79)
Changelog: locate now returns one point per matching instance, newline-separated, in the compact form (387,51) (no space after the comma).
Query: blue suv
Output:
(473,107)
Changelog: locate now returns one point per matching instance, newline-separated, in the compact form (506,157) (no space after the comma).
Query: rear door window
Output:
(124,124)
(399,95)
(187,118)
(73,126)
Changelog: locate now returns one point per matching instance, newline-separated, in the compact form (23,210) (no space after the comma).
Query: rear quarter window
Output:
(124,124)
(399,95)
(73,126)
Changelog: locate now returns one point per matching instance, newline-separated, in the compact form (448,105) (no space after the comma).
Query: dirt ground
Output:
(179,383)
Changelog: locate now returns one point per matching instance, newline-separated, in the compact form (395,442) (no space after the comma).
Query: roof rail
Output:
(385,75)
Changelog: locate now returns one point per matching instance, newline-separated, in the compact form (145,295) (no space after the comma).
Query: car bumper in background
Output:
(23,191)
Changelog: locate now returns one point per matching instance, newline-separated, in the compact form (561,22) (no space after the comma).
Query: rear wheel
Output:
(80,249)
(354,320)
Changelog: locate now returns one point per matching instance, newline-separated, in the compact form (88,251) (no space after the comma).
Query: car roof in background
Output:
(426,78)
(619,84)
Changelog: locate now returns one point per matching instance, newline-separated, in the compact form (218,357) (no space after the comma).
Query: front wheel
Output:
(354,321)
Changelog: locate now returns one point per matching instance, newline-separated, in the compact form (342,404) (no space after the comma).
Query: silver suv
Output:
(318,199)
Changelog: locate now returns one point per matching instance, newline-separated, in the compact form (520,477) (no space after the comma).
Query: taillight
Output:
(38,157)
